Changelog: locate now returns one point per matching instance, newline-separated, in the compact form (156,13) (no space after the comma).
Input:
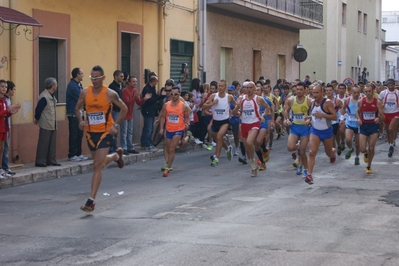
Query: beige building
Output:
(125,34)
(246,39)
(349,42)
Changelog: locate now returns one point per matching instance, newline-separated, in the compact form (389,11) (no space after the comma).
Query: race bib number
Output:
(247,113)
(219,112)
(352,117)
(390,104)
(174,119)
(369,115)
(298,117)
(96,118)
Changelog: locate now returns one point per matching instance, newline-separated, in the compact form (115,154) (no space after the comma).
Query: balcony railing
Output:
(312,10)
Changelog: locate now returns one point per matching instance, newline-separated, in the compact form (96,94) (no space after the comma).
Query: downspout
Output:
(161,39)
(202,36)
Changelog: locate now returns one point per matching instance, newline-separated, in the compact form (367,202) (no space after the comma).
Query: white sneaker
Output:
(3,174)
(151,149)
(213,144)
(82,157)
(74,159)
(197,141)
(237,152)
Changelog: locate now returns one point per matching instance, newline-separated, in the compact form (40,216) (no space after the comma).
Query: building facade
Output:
(127,35)
(349,42)
(390,23)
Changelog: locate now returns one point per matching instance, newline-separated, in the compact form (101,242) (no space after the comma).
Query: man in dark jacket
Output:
(117,86)
(149,110)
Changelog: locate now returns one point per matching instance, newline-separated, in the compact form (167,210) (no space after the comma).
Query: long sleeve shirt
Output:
(72,95)
(129,97)
(118,89)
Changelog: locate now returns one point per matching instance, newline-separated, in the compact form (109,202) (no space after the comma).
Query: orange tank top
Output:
(98,110)
(174,117)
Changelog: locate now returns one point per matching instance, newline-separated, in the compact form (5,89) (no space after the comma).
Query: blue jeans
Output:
(4,163)
(148,128)
(127,135)
(114,143)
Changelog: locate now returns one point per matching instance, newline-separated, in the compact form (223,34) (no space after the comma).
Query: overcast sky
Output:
(390,5)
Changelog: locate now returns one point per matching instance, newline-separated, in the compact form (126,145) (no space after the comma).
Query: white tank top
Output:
(249,110)
(221,110)
(320,123)
(390,101)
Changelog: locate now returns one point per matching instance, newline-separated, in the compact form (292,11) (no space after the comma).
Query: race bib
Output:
(298,117)
(219,112)
(352,117)
(174,119)
(96,118)
(247,113)
(368,115)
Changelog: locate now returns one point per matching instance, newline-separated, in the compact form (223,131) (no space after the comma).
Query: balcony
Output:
(296,14)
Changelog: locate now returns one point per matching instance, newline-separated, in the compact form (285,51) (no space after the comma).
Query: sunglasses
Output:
(175,94)
(95,78)
(168,90)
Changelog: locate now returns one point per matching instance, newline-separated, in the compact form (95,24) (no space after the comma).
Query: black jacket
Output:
(150,107)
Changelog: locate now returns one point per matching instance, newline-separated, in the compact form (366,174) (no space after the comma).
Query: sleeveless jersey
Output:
(334,102)
(249,110)
(174,117)
(221,110)
(98,111)
(320,123)
(351,119)
(390,99)
(369,111)
(299,111)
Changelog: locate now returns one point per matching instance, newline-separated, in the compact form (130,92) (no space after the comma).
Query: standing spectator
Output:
(149,110)
(5,163)
(75,134)
(45,118)
(117,86)
(197,90)
(5,112)
(130,95)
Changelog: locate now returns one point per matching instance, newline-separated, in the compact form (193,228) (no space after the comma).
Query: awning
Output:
(12,16)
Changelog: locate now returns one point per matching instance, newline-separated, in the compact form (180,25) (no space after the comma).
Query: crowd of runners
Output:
(342,116)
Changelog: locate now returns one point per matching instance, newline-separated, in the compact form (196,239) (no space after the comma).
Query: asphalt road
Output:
(201,215)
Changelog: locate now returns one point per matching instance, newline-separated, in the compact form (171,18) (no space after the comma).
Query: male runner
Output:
(342,97)
(98,101)
(329,90)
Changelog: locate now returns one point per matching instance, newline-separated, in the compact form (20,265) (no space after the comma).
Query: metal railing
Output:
(312,10)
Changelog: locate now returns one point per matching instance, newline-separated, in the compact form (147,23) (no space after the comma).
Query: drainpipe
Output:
(161,38)
(202,35)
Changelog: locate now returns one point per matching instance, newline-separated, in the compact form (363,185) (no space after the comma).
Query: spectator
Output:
(117,86)
(75,134)
(3,60)
(45,118)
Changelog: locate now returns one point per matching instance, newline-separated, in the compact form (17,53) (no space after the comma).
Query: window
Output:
(365,23)
(226,64)
(359,21)
(52,63)
(257,60)
(343,14)
(130,54)
(384,20)
(281,67)
(181,52)
(377,28)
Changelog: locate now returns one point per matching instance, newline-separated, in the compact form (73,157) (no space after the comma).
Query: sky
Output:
(390,5)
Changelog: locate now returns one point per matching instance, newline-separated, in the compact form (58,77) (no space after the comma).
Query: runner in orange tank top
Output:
(98,100)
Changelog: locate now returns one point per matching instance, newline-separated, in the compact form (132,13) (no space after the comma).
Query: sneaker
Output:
(237,152)
(209,147)
(262,167)
(254,172)
(305,173)
(349,154)
(125,152)
(3,174)
(369,170)
(339,151)
(82,157)
(151,149)
(296,163)
(133,151)
(390,153)
(342,146)
(333,159)
(74,159)
(228,152)
(88,208)
(366,157)
(166,172)
(215,162)
(197,141)
(293,155)
(120,160)
(9,172)
(164,166)
(309,179)
(213,144)
(265,156)
(357,161)
(299,170)
(242,160)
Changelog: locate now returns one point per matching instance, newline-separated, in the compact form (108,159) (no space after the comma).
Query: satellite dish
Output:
(300,54)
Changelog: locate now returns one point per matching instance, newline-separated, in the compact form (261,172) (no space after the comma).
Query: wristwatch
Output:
(116,126)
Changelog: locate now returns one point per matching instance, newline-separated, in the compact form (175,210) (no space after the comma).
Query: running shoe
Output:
(357,161)
(242,160)
(366,157)
(166,172)
(228,152)
(333,159)
(165,166)
(296,163)
(299,170)
(305,173)
(120,161)
(262,167)
(213,144)
(254,172)
(339,150)
(342,146)
(197,141)
(237,152)
(88,208)
(369,170)
(349,154)
(293,155)
(212,157)
(309,179)
(215,162)
(390,153)
(209,147)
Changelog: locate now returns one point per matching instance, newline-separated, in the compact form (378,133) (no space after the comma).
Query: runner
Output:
(176,116)
(220,103)
(369,112)
(337,106)
(250,122)
(296,110)
(98,101)
(322,113)
(351,125)
(390,102)
(342,97)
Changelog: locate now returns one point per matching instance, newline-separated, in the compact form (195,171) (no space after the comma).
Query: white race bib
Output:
(298,117)
(368,115)
(352,117)
(96,118)
(174,119)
